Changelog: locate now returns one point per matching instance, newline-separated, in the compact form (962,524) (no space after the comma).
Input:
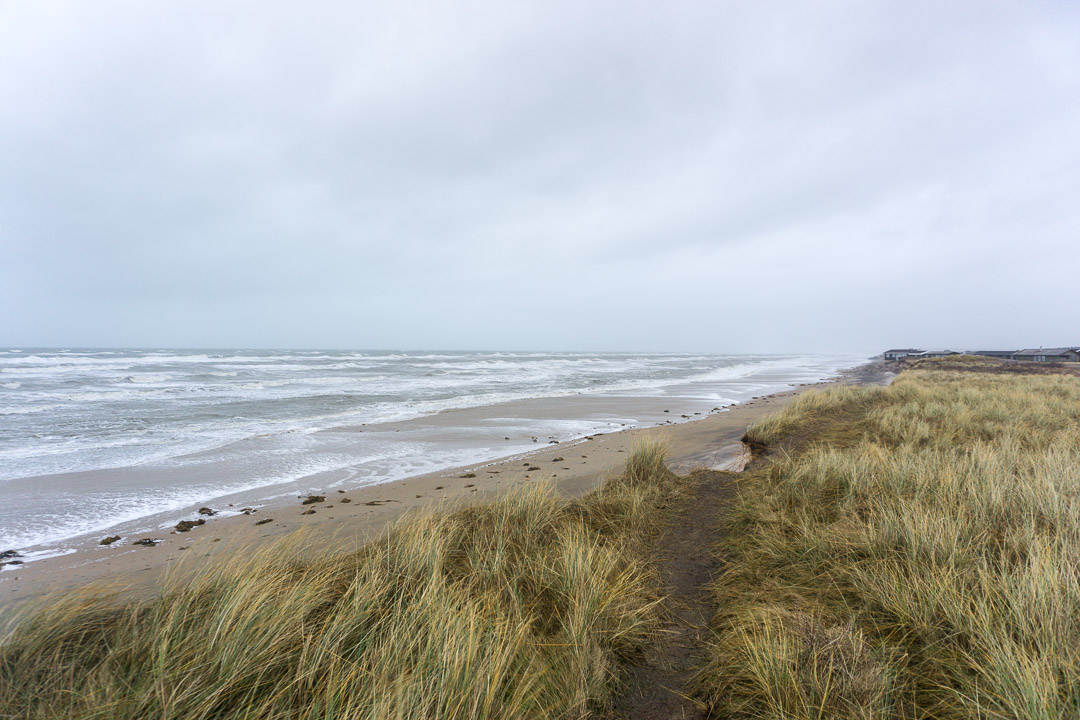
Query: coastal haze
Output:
(131,441)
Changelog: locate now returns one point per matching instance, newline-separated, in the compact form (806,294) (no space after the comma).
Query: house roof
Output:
(903,350)
(1046,351)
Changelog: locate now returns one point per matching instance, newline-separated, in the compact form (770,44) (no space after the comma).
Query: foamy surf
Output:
(93,441)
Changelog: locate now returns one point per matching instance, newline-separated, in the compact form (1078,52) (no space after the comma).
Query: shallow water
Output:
(95,439)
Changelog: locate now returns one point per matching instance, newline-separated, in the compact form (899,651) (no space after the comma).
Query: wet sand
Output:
(345,520)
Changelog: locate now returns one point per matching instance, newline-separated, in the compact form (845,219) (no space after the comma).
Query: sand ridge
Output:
(345,520)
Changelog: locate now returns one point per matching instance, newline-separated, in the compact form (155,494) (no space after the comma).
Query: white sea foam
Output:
(188,412)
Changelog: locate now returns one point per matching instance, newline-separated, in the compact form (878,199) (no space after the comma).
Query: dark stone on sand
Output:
(469,485)
(109,540)
(207,511)
(146,542)
(345,500)
(313,499)
(553,442)
(438,487)
(341,491)
(530,469)
(374,502)
(558,459)
(466,476)
(667,411)
(309,511)
(264,521)
(11,562)
(8,554)
(247,511)
(186,525)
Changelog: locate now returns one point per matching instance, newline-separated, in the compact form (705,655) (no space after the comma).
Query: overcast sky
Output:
(699,176)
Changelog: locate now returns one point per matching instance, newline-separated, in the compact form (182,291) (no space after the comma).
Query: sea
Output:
(95,441)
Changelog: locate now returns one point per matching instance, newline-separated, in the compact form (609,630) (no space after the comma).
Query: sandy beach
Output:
(345,520)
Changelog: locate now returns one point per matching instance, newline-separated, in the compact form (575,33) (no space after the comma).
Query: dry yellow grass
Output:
(910,552)
(521,608)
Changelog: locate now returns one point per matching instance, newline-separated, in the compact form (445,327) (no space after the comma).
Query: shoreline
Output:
(346,519)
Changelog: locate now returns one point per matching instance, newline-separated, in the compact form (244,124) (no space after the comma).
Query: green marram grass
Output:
(520,608)
(907,552)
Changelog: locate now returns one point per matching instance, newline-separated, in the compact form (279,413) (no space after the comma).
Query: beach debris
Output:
(535,439)
(147,542)
(186,525)
(506,438)
(438,487)
(207,511)
(469,485)
(345,500)
(374,502)
(8,554)
(558,459)
(310,499)
(247,511)
(667,411)
(341,491)
(11,562)
(553,442)
(530,469)
(264,521)
(493,472)
(309,511)
(109,540)
(466,476)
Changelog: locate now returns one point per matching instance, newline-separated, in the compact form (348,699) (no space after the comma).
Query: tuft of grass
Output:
(520,608)
(916,554)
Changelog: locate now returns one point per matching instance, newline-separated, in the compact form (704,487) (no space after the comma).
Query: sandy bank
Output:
(343,521)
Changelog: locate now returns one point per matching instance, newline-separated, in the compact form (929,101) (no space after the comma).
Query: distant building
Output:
(899,353)
(1069,354)
(1065,354)
(1005,354)
(931,354)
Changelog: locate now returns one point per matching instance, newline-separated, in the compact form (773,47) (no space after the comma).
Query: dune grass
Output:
(519,608)
(907,552)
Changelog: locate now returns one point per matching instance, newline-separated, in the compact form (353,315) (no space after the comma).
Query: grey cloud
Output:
(699,176)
